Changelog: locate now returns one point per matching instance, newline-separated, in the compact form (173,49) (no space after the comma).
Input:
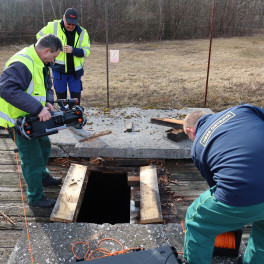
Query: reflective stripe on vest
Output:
(80,43)
(41,33)
(40,98)
(60,62)
(55,29)
(7,118)
(78,67)
(31,85)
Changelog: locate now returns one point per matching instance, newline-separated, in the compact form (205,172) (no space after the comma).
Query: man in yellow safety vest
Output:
(68,67)
(25,88)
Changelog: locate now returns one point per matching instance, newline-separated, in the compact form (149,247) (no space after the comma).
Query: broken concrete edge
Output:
(130,153)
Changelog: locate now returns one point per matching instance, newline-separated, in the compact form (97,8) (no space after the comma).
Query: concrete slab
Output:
(146,141)
(52,243)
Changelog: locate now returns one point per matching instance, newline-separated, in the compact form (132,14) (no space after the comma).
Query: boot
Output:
(44,202)
(51,180)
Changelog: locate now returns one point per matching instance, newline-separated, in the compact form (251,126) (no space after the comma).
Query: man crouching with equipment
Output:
(228,150)
(25,88)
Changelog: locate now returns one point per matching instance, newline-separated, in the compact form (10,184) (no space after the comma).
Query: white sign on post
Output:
(114,56)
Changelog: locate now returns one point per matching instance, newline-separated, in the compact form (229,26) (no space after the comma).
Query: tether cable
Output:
(21,190)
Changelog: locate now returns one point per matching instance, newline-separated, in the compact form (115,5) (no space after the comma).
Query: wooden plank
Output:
(68,203)
(20,222)
(150,208)
(95,135)
(7,144)
(9,238)
(7,154)
(111,169)
(133,180)
(127,162)
(9,161)
(176,123)
(11,168)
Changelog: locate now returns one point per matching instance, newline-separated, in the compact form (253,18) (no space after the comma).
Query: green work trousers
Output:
(206,218)
(34,155)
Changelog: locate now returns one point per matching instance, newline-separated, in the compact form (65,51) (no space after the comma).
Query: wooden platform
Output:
(179,184)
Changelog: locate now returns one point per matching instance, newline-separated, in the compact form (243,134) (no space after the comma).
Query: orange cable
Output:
(104,251)
(21,190)
(82,242)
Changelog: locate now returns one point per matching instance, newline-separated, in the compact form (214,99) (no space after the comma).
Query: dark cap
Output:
(71,16)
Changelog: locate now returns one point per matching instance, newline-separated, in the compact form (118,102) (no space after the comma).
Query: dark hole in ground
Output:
(106,199)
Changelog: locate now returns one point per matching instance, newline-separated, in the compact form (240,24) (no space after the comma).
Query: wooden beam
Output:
(133,179)
(111,169)
(68,204)
(150,207)
(176,123)
(127,162)
(95,135)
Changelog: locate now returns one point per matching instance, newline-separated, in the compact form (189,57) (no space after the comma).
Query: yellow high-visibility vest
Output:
(36,88)
(81,41)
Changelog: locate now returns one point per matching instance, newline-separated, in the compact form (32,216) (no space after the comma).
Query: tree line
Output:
(134,20)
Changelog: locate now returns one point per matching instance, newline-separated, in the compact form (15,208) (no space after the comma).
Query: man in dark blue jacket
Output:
(228,150)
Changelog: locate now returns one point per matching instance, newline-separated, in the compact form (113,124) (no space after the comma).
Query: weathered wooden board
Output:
(167,122)
(68,203)
(7,243)
(7,154)
(11,168)
(150,208)
(133,180)
(129,162)
(20,222)
(7,144)
(111,169)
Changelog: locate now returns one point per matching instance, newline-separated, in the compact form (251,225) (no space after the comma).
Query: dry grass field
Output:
(172,74)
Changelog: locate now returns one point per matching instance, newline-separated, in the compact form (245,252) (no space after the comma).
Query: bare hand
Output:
(44,115)
(67,49)
(50,106)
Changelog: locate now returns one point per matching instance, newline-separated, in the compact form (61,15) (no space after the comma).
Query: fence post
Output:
(209,57)
(106,40)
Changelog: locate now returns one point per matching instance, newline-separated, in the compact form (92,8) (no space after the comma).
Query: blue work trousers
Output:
(61,81)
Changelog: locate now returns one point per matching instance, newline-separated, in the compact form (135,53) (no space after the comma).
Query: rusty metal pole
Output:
(209,56)
(106,40)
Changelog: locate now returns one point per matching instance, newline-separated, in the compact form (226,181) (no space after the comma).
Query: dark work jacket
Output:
(14,81)
(229,152)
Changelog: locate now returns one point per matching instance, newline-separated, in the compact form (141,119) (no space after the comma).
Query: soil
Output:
(173,74)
